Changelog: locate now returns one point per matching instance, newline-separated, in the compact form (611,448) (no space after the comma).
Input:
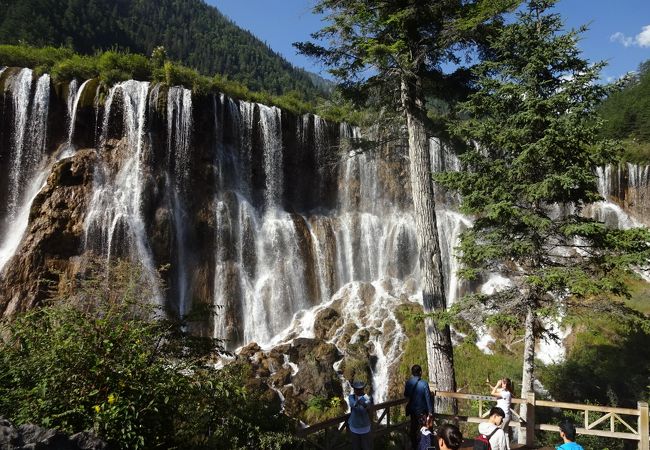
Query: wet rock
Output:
(249,350)
(326,322)
(54,235)
(8,434)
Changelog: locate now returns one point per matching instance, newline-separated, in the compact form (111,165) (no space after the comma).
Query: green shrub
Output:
(116,66)
(99,360)
(32,57)
(75,66)
(322,408)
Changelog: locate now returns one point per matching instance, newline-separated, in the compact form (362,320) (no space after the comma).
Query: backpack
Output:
(482,442)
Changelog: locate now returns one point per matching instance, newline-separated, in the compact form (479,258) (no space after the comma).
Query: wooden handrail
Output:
(339,419)
(641,433)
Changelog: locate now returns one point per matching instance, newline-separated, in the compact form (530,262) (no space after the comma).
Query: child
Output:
(449,437)
(426,435)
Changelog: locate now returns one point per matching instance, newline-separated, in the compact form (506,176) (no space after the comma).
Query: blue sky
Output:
(619,30)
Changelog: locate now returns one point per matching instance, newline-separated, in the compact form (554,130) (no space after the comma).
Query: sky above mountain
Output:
(619,31)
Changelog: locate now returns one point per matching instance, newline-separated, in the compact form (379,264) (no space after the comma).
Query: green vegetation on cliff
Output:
(626,115)
(113,66)
(194,33)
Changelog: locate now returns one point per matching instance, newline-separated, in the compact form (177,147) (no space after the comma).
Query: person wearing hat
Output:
(359,421)
(568,435)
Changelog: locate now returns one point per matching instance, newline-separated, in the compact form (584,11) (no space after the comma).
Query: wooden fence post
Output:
(530,419)
(644,428)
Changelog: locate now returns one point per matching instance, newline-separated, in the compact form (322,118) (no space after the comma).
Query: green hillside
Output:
(191,31)
(627,115)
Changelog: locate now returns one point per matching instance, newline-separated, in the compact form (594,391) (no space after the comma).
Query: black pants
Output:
(414,432)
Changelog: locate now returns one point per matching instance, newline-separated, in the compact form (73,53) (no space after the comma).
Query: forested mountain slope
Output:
(627,115)
(191,31)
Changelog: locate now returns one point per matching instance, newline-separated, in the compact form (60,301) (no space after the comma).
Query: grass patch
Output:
(639,295)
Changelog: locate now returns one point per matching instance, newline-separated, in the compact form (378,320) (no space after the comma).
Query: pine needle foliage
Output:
(530,172)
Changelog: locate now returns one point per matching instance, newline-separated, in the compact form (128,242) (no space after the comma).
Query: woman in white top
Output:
(503,392)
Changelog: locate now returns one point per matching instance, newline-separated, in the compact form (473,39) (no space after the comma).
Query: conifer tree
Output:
(529,173)
(396,48)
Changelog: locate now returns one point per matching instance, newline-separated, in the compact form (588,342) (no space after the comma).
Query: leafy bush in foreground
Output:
(137,381)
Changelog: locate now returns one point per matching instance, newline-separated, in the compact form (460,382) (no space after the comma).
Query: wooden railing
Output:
(623,423)
(636,429)
(388,417)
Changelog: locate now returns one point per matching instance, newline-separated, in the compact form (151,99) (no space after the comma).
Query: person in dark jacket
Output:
(419,403)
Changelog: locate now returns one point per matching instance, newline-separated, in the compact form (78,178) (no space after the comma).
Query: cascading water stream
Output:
(28,172)
(114,222)
(21,87)
(73,105)
(179,132)
(271,127)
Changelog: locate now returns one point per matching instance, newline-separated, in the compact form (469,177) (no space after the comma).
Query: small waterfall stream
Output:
(179,136)
(21,93)
(27,169)
(74,96)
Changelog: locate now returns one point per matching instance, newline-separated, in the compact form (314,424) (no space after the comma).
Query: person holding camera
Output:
(359,421)
(503,391)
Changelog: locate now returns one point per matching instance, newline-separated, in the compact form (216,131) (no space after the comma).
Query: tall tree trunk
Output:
(438,340)
(527,376)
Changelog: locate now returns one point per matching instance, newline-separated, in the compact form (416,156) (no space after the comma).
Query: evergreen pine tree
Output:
(529,174)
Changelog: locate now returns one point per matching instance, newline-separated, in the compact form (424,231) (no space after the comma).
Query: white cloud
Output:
(641,40)
(621,39)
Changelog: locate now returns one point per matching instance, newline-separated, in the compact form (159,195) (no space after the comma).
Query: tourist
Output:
(419,403)
(359,421)
(426,435)
(568,435)
(503,391)
(490,429)
(449,437)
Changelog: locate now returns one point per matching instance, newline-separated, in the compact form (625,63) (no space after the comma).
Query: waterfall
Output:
(179,135)
(75,94)
(73,89)
(114,222)
(20,88)
(179,129)
(271,126)
(245,114)
(621,181)
(451,224)
(27,174)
